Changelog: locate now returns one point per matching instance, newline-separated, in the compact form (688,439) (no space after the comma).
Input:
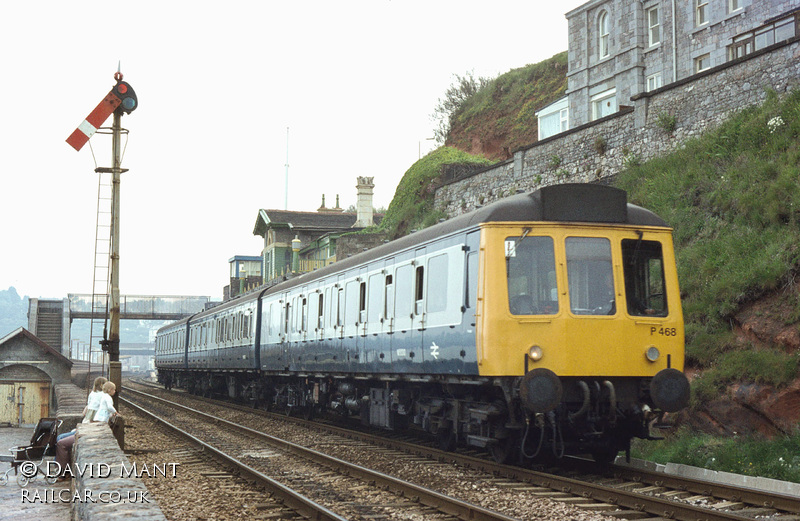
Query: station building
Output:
(29,371)
(300,242)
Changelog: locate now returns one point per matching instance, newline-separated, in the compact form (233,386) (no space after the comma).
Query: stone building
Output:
(619,49)
(29,370)
(764,58)
(312,236)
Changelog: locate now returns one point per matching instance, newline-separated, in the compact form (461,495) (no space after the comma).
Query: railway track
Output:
(625,493)
(358,492)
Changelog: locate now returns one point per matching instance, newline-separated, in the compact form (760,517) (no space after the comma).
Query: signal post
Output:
(121,99)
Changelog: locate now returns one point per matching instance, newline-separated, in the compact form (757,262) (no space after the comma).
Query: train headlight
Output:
(652,353)
(535,352)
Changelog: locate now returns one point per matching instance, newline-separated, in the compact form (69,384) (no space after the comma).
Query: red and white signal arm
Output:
(120,98)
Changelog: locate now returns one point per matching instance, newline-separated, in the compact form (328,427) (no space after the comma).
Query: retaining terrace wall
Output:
(599,150)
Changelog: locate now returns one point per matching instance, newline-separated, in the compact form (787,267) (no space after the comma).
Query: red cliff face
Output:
(750,408)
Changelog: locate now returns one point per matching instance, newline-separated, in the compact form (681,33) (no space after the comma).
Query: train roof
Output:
(572,202)
(567,203)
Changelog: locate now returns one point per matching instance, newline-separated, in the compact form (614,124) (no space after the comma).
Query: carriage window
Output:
(340,307)
(362,302)
(388,300)
(304,315)
(320,310)
(590,276)
(437,283)
(418,290)
(645,289)
(531,270)
(472,280)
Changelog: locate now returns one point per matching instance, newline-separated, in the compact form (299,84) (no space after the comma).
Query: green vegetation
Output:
(412,205)
(767,366)
(504,109)
(666,122)
(733,198)
(777,459)
(734,201)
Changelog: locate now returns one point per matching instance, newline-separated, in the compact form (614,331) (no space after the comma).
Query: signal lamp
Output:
(652,353)
(125,92)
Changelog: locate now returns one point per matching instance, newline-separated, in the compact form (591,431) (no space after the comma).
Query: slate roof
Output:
(320,221)
(21,331)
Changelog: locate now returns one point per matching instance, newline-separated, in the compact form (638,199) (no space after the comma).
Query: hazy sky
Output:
(218,85)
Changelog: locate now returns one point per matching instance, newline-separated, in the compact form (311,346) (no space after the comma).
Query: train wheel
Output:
(446,439)
(605,456)
(506,449)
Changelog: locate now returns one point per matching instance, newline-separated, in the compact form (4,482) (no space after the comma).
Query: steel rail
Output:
(297,502)
(431,498)
(778,501)
(619,497)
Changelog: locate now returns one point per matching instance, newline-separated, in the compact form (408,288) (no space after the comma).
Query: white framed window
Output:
(702,63)
(602,31)
(734,5)
(700,12)
(604,104)
(653,81)
(653,27)
(553,119)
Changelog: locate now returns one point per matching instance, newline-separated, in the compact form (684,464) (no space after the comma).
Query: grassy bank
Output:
(412,206)
(777,459)
(733,198)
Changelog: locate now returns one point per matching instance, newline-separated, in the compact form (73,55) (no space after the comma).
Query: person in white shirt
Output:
(94,400)
(91,405)
(106,410)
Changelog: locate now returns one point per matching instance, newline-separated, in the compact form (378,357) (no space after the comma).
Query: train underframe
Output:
(594,416)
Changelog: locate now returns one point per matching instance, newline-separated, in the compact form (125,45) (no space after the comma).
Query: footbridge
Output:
(139,307)
(51,319)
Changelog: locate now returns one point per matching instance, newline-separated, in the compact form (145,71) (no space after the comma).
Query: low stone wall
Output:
(106,470)
(70,401)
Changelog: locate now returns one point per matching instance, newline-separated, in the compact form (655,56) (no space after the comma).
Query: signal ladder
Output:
(102,261)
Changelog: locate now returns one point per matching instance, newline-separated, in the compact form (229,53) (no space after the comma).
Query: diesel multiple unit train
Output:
(544,324)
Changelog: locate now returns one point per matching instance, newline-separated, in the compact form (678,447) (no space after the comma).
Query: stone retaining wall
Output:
(70,401)
(117,496)
(654,124)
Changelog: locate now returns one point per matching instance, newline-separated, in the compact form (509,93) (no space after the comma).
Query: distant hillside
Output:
(13,311)
(501,117)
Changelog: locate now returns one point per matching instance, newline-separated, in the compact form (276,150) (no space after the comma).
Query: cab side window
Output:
(645,287)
